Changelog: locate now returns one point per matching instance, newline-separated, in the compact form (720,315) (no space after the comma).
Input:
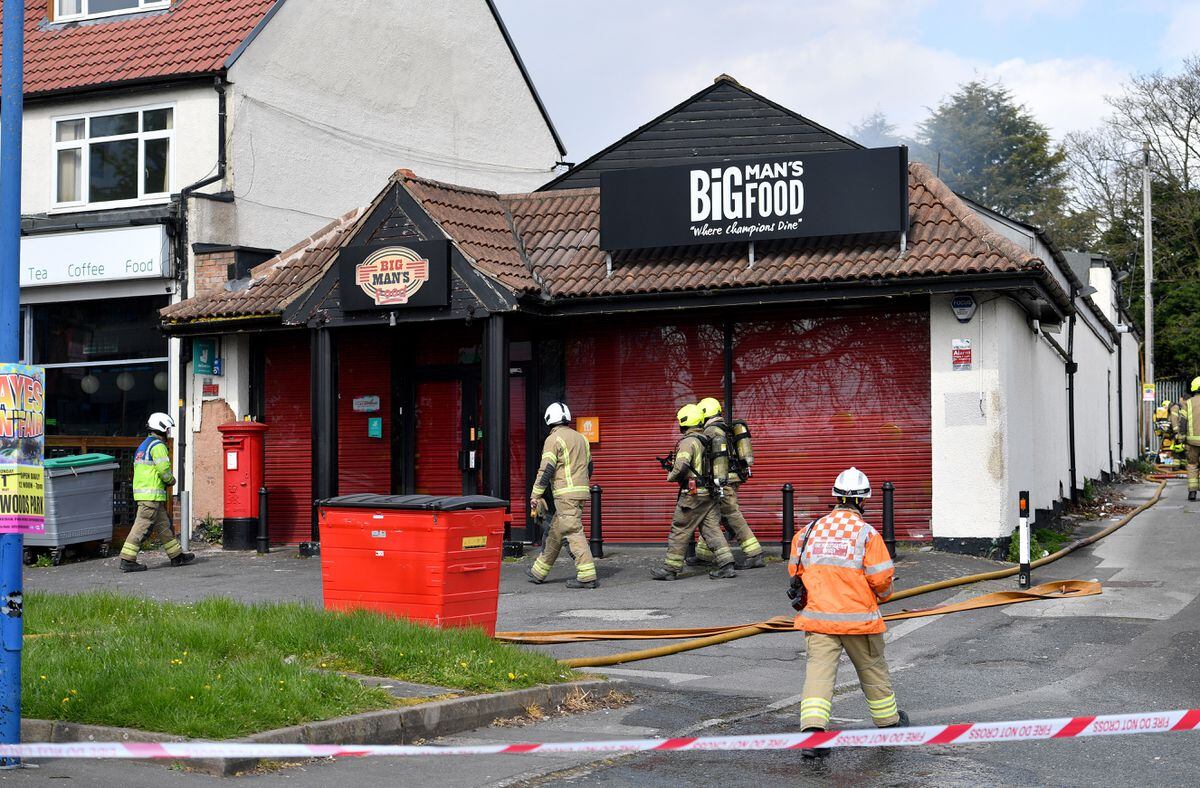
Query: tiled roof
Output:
(275,283)
(560,231)
(190,37)
(547,244)
(480,224)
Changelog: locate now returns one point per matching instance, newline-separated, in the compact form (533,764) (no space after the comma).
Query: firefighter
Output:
(1191,412)
(731,513)
(1178,430)
(151,478)
(566,470)
(842,569)
(695,507)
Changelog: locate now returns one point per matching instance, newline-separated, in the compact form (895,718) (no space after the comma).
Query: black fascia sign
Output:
(395,276)
(803,196)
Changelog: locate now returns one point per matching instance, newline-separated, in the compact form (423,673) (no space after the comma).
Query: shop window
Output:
(113,158)
(106,364)
(68,10)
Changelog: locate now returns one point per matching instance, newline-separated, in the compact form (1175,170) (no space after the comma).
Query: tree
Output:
(1106,169)
(991,149)
(875,131)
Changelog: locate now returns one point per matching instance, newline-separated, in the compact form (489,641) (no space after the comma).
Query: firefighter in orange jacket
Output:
(842,569)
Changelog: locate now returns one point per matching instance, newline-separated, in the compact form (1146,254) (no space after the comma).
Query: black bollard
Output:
(264,538)
(889,518)
(789,521)
(596,540)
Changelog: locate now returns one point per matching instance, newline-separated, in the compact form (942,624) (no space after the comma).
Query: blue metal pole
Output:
(12,79)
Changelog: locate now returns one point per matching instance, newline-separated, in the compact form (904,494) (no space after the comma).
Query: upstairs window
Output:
(115,157)
(67,10)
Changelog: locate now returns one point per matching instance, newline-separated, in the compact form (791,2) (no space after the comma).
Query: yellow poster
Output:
(22,443)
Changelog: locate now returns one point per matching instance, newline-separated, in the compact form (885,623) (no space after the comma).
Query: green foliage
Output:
(1042,541)
(221,669)
(1089,490)
(210,529)
(43,560)
(994,151)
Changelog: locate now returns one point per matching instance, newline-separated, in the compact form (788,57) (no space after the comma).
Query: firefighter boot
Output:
(532,577)
(183,558)
(752,562)
(900,723)
(1191,495)
(724,573)
(576,583)
(662,573)
(132,566)
(814,752)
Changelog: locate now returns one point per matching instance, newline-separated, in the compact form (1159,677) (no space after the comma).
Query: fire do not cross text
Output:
(768,194)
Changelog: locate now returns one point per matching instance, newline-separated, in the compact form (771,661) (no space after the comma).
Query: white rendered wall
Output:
(333,97)
(195,147)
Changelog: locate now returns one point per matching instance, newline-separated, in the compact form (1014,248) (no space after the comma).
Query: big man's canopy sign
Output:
(395,276)
(818,194)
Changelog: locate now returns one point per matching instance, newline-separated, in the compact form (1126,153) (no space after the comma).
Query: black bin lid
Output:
(440,503)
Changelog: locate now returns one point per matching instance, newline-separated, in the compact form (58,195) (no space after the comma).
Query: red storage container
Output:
(434,559)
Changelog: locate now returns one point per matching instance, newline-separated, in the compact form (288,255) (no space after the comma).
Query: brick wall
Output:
(212,271)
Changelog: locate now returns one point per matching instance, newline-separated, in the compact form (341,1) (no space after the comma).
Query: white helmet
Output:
(160,422)
(852,483)
(557,413)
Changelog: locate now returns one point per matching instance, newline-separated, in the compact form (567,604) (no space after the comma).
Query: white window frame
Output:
(84,145)
(143,5)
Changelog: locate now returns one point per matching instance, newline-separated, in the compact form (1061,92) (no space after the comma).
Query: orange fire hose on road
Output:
(703,637)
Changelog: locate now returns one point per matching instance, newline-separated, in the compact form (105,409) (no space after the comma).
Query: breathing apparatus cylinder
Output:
(743,451)
(719,465)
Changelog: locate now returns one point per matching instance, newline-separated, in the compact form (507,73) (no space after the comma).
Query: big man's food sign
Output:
(394,276)
(22,439)
(809,195)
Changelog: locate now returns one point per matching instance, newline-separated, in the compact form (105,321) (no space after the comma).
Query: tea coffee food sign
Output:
(835,193)
(395,276)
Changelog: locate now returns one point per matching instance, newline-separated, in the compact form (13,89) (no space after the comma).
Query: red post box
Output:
(242,460)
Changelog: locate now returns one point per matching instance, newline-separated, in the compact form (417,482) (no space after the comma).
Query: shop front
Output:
(412,346)
(90,302)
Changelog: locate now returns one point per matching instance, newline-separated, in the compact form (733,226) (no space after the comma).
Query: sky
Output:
(605,67)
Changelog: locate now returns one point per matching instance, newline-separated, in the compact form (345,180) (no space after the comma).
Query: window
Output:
(118,157)
(106,363)
(66,10)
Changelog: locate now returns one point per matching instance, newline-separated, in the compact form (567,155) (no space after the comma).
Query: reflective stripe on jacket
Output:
(847,572)
(151,471)
(566,456)
(690,460)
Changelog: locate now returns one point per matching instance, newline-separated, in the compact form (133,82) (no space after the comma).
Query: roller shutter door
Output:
(439,438)
(826,392)
(634,377)
(517,491)
(288,469)
(364,463)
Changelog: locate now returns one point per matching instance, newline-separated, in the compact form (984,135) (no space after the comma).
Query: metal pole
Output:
(889,518)
(11,545)
(264,539)
(185,519)
(789,521)
(1148,281)
(1024,579)
(596,540)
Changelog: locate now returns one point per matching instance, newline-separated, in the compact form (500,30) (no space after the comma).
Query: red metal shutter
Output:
(516,451)
(634,377)
(439,438)
(364,463)
(288,450)
(825,392)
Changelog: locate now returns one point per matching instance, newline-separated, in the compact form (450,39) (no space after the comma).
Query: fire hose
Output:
(712,636)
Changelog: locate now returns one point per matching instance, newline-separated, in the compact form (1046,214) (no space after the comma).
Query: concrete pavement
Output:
(1134,648)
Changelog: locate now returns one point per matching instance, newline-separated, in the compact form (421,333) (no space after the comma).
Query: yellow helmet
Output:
(1165,403)
(1195,385)
(690,416)
(709,407)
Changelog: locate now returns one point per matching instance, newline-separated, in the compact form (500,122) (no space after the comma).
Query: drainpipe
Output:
(181,258)
(1071,367)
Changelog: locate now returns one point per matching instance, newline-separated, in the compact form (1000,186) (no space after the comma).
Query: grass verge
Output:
(221,669)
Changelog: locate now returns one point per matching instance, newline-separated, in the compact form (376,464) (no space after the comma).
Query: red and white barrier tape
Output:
(963,733)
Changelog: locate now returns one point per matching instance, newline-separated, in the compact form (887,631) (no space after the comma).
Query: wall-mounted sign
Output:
(964,307)
(375,427)
(95,256)
(208,388)
(22,443)
(204,356)
(1148,392)
(366,404)
(395,277)
(960,354)
(818,194)
(589,427)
